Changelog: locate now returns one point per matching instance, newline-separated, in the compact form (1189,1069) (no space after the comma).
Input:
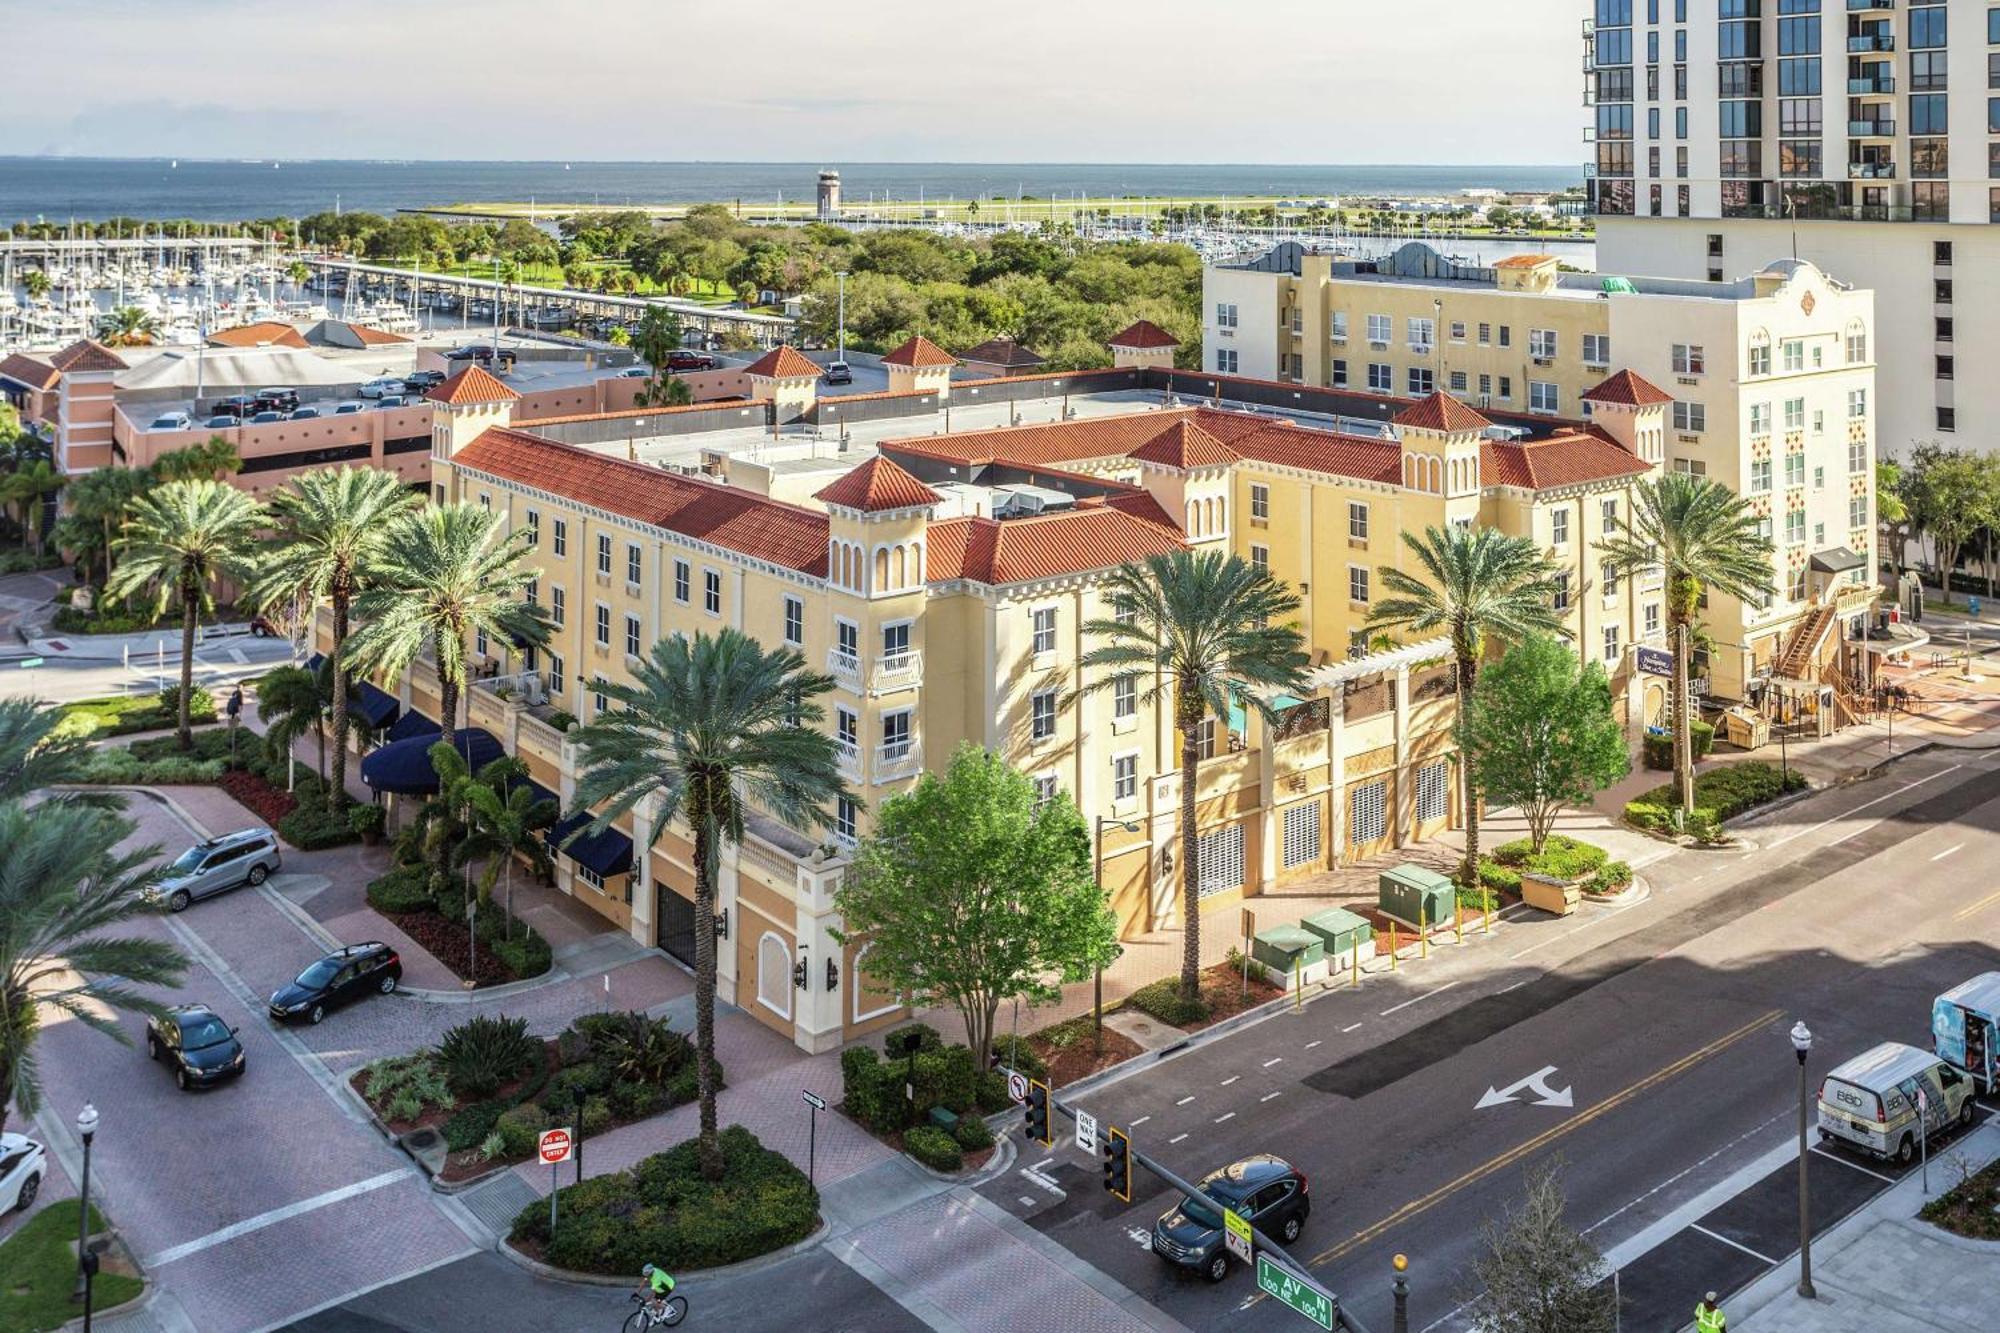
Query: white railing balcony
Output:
(898,671)
(845,668)
(847,755)
(898,759)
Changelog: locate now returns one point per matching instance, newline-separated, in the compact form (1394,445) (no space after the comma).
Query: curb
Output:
(819,1236)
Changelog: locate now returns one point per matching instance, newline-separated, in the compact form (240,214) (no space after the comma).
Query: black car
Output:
(276,400)
(421,380)
(1268,1191)
(343,975)
(235,405)
(201,1047)
(479,352)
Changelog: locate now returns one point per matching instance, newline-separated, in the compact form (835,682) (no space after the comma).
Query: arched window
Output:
(881,567)
(1193,519)
(774,974)
(902,567)
(870,1000)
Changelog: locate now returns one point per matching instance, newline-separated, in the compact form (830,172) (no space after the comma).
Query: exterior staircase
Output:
(1796,659)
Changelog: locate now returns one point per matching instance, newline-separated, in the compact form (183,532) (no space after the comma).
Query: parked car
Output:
(837,372)
(1870,1102)
(342,976)
(303,414)
(392,400)
(276,400)
(1269,1191)
(222,422)
(219,864)
(172,421)
(421,380)
(22,1165)
(266,418)
(263,627)
(235,405)
(202,1049)
(686,360)
(479,352)
(348,409)
(382,384)
(635,373)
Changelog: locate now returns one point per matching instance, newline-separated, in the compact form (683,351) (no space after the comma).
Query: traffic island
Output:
(1227,989)
(926,1099)
(38,1271)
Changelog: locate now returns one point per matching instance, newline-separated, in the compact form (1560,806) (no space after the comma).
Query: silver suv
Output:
(248,857)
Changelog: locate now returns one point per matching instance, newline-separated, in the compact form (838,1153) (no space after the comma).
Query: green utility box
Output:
(1415,895)
(1283,951)
(1340,932)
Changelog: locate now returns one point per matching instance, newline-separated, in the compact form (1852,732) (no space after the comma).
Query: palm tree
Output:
(711,728)
(36,752)
(62,884)
(100,500)
(293,702)
(211,460)
(297,272)
(330,532)
(37,284)
(27,486)
(180,540)
(1702,535)
(127,326)
(506,819)
(1478,584)
(445,573)
(1212,629)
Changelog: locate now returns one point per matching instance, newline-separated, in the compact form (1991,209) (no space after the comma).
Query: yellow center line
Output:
(1985,902)
(1480,1172)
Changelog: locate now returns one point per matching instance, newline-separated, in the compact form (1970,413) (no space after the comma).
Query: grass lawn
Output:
(126,713)
(40,1267)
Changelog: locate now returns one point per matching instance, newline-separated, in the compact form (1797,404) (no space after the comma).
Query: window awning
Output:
(375,706)
(404,766)
(607,853)
(412,724)
(315,662)
(1837,560)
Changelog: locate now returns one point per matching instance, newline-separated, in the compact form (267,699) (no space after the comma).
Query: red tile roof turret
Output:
(469,386)
(1627,389)
(920,352)
(782,362)
(1441,413)
(876,485)
(1144,333)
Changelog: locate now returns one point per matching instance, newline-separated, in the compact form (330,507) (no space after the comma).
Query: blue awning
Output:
(608,853)
(404,766)
(376,707)
(315,662)
(412,724)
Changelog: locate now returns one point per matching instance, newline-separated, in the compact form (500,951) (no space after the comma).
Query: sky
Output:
(1255,81)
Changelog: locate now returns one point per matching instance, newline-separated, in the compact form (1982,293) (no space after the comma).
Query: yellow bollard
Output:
(1423,933)
(1392,944)
(1486,897)
(1354,978)
(1298,988)
(1457,919)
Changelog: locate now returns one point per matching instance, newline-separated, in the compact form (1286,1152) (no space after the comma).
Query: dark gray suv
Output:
(207,868)
(1268,1191)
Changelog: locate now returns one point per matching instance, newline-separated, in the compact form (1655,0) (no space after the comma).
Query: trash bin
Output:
(1277,952)
(1417,896)
(1340,931)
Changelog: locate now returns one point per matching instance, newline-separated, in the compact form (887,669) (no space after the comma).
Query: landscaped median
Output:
(1970,1208)
(428,905)
(1720,793)
(942,1126)
(489,1087)
(38,1272)
(1562,859)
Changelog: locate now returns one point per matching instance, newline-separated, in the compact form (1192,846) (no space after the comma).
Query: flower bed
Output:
(1561,858)
(1223,995)
(1720,793)
(1070,1053)
(270,804)
(1971,1208)
(509,948)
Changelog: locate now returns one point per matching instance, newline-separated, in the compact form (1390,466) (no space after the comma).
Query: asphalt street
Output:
(1655,1036)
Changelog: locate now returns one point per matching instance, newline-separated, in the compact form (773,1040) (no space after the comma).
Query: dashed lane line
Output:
(1948,851)
(1268,1096)
(1231,1079)
(1273,1060)
(1185,1100)
(1349,1028)
(1175,1139)
(1414,999)
(1847,814)
(1226,1115)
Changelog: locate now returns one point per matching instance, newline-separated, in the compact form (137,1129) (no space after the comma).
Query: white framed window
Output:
(635,563)
(1045,630)
(598,699)
(1543,396)
(1227,362)
(1337,330)
(557,680)
(1423,334)
(1819,535)
(562,537)
(1795,355)
(1611,644)
(1456,379)
(558,604)
(1338,374)
(1357,520)
(896,735)
(1651,613)
(1795,528)
(1819,478)
(1357,584)
(534,524)
(1795,469)
(1042,714)
(603,625)
(1690,418)
(479,643)
(1597,349)
(632,647)
(1381,377)
(1260,556)
(1301,834)
(1421,381)
(1379,329)
(1559,527)
(1760,418)
(795,620)
(1225,315)
(1857,402)
(1690,359)
(1607,574)
(1458,330)
(532,593)
(1760,358)
(1260,502)
(682,577)
(1368,812)
(711,591)
(1433,791)
(774,974)
(1561,599)
(1046,787)
(1125,696)
(589,876)
(1760,475)
(1125,776)
(1857,345)
(1608,514)
(1485,335)
(604,554)
(1542,344)
(1219,860)
(1857,511)
(846,819)
(1690,467)
(1764,528)
(1857,456)
(1795,414)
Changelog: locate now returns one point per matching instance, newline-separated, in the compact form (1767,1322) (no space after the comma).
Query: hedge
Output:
(934,1148)
(404,889)
(872,1087)
(1561,858)
(661,1211)
(1719,794)
(1658,746)
(1163,1000)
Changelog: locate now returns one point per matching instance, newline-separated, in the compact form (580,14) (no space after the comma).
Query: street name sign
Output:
(554,1146)
(1086,1131)
(30,663)
(1236,1234)
(1311,1302)
(814,1100)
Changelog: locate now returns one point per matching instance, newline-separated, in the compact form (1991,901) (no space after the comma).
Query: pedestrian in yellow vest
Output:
(1708,1316)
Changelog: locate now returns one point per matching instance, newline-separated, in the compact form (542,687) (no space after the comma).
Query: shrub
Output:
(944,1078)
(1499,878)
(934,1148)
(402,1086)
(1020,1057)
(562,720)
(118,766)
(973,1133)
(1163,1000)
(520,1128)
(590,1078)
(201,704)
(927,1037)
(366,820)
(662,1211)
(992,1094)
(596,1115)
(473,1125)
(1612,877)
(633,1101)
(404,889)
(312,826)
(483,1052)
(645,1051)
(685,1086)
(527,954)
(1720,793)
(1657,747)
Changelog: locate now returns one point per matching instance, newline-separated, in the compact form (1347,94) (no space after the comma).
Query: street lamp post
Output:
(1097,973)
(86,1266)
(1802,1038)
(840,320)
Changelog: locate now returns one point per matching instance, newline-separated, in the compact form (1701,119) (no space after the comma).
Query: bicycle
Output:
(672,1310)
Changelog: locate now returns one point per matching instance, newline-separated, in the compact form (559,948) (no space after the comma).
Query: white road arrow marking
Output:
(1538,1082)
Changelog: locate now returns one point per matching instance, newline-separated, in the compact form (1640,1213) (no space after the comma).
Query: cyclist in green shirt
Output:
(659,1284)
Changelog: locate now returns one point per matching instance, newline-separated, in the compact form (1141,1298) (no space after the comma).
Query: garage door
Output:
(1219,859)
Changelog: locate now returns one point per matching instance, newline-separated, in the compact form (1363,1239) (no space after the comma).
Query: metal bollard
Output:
(1392,944)
(1354,972)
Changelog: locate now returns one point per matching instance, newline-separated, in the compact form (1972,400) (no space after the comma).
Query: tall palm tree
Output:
(1701,535)
(99,500)
(445,573)
(211,460)
(181,539)
(36,751)
(294,702)
(711,728)
(297,272)
(127,326)
(331,527)
(37,284)
(28,485)
(506,820)
(1477,584)
(1212,630)
(63,884)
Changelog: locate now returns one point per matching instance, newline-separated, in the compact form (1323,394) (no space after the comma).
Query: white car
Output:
(21,1170)
(382,384)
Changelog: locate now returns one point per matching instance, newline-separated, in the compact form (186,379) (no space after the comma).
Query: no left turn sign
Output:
(1017,1087)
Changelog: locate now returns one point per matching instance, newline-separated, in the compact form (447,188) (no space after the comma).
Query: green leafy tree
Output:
(1535,1273)
(181,539)
(1541,735)
(297,272)
(36,283)
(445,573)
(36,750)
(331,529)
(1207,633)
(27,487)
(1891,511)
(127,326)
(506,820)
(65,890)
(710,729)
(1701,535)
(98,502)
(970,892)
(1952,493)
(1474,585)
(294,702)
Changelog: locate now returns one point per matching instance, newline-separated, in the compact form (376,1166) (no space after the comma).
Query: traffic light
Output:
(1118,1164)
(1038,1113)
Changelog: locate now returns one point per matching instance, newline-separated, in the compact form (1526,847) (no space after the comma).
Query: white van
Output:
(382,384)
(1871,1101)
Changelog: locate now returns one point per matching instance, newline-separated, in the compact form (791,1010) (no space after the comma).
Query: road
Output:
(1666,1022)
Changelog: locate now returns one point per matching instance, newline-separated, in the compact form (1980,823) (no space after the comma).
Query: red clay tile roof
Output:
(1335,454)
(1561,460)
(1003,352)
(782,362)
(1020,550)
(1441,413)
(787,535)
(264,333)
(1185,445)
(1144,333)
(1628,390)
(25,369)
(371,336)
(1141,504)
(471,385)
(1051,442)
(876,485)
(920,351)
(86,355)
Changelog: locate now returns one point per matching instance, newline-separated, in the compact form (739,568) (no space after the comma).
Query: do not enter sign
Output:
(555,1146)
